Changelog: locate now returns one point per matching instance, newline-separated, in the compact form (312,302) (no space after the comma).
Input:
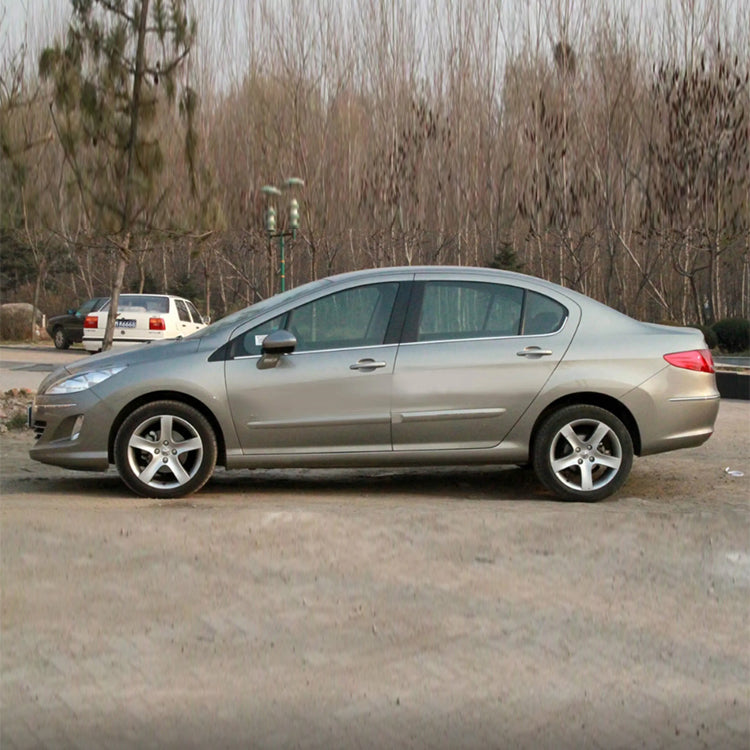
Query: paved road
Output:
(398,609)
(25,366)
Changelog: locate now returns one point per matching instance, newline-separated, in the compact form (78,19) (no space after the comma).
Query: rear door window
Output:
(182,311)
(468,309)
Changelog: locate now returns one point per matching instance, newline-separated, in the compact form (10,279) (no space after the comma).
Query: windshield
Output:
(247,313)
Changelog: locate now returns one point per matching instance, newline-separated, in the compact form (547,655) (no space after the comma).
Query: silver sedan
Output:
(389,367)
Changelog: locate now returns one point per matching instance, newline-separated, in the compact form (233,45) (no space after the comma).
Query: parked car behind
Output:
(389,367)
(67,329)
(142,318)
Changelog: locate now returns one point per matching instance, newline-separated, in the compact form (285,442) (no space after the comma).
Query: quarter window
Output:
(196,315)
(543,315)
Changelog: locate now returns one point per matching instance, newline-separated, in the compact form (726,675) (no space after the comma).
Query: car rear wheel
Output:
(60,339)
(165,449)
(583,453)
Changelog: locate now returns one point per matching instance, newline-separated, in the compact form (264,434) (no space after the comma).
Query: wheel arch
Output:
(592,399)
(182,398)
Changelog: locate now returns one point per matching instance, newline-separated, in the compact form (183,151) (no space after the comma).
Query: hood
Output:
(158,350)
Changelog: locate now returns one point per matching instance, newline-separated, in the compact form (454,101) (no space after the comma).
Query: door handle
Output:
(534,351)
(367,364)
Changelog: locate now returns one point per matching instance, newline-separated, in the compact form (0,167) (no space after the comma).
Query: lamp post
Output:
(272,194)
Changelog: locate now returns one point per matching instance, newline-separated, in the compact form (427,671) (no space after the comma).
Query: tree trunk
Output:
(123,253)
(123,256)
(37,292)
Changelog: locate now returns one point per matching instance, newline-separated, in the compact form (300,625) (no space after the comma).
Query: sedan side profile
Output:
(389,367)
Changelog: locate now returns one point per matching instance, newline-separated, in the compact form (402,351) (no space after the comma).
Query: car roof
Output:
(450,271)
(487,274)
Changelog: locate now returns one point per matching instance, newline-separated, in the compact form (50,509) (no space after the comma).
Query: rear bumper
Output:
(674,409)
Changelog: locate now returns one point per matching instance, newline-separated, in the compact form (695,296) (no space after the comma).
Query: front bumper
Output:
(72,431)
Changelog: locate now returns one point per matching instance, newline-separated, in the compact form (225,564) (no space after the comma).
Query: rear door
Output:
(188,318)
(473,357)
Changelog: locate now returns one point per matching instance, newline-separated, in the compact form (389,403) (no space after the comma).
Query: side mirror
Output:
(279,342)
(274,345)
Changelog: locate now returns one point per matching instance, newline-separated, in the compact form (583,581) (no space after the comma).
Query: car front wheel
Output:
(583,453)
(60,339)
(165,449)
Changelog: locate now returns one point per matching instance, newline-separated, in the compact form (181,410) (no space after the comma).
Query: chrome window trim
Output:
(318,351)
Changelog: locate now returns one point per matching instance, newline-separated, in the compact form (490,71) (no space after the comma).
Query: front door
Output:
(332,394)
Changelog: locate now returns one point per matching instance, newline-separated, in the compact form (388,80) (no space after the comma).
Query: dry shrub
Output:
(15,321)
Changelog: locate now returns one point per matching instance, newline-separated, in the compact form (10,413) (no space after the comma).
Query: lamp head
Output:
(294,215)
(270,220)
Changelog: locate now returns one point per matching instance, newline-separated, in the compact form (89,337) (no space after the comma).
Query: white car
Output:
(142,318)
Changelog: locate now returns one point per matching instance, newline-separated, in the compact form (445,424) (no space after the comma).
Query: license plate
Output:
(124,323)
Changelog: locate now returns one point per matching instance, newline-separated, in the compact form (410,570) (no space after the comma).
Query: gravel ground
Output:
(435,609)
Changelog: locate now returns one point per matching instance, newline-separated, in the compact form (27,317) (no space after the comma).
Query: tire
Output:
(60,339)
(172,426)
(583,453)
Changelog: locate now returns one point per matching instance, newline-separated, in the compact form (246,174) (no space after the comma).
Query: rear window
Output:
(141,303)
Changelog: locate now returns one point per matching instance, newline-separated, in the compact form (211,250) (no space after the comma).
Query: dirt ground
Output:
(405,609)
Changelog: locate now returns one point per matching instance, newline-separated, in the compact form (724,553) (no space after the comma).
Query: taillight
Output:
(697,359)
(157,324)
(92,321)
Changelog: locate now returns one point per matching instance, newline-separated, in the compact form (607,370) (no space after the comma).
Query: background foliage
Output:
(602,147)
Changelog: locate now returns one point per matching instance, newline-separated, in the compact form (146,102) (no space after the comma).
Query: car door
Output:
(198,321)
(185,325)
(332,394)
(474,356)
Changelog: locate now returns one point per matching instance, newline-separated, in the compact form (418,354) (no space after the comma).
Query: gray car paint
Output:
(463,402)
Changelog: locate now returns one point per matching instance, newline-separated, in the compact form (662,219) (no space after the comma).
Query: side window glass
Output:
(464,309)
(195,314)
(182,311)
(351,318)
(249,344)
(543,315)
(504,317)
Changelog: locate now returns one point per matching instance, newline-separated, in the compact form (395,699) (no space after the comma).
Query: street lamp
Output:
(273,193)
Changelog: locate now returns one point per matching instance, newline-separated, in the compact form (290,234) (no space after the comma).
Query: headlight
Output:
(83,380)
